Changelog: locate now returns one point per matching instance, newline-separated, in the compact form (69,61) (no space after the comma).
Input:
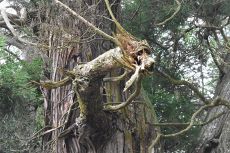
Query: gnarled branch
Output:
(115,79)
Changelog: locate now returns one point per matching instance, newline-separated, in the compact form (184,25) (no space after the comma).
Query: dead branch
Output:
(172,16)
(119,27)
(133,78)
(216,102)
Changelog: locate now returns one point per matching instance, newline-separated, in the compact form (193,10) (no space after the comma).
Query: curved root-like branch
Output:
(133,78)
(52,84)
(172,16)
(129,100)
(154,142)
(187,123)
(115,79)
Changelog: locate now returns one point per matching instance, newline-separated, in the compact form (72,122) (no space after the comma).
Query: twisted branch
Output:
(218,101)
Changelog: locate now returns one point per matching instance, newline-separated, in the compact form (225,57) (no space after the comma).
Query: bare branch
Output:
(97,30)
(186,124)
(186,83)
(154,142)
(172,16)
(132,78)
(13,54)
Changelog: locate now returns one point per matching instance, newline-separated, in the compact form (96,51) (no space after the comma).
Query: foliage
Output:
(15,84)
(18,99)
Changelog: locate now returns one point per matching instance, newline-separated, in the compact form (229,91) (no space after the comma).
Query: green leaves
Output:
(18,99)
(15,89)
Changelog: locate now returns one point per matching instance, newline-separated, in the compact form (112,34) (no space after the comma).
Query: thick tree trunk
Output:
(69,46)
(215,137)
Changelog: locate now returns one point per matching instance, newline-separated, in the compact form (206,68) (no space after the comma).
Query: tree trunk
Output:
(68,44)
(215,136)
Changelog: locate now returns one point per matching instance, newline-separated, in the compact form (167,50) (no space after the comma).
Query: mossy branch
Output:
(53,84)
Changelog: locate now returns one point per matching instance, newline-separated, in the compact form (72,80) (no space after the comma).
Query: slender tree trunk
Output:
(215,137)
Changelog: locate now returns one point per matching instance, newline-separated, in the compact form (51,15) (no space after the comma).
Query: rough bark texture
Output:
(126,131)
(215,137)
